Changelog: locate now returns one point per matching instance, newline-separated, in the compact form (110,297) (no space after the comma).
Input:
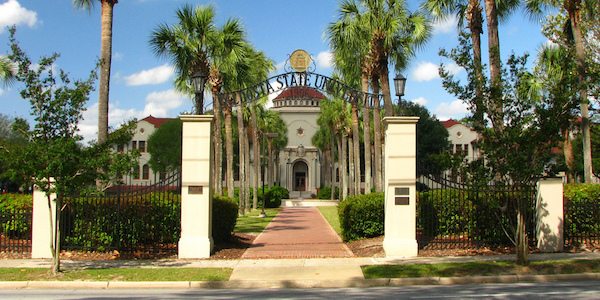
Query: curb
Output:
(290,284)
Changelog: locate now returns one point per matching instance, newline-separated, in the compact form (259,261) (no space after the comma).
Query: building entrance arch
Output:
(300,174)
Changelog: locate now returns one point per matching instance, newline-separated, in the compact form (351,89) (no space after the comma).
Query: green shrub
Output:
(15,215)
(444,212)
(224,217)
(325,193)
(582,207)
(274,196)
(362,216)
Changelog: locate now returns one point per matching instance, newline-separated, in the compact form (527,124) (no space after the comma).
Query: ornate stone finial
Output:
(300,151)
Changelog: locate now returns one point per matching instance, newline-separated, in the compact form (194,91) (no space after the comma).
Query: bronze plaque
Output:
(195,190)
(402,200)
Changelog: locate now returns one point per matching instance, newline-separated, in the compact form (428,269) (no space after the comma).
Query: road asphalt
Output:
(289,273)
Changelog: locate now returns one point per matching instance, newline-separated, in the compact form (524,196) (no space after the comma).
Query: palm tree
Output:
(106,16)
(7,70)
(575,10)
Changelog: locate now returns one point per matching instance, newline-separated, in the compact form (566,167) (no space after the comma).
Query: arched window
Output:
(146,172)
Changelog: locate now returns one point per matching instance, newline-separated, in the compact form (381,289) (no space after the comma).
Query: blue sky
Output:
(141,83)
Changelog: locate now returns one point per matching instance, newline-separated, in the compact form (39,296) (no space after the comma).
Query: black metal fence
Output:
(133,218)
(582,223)
(15,230)
(453,214)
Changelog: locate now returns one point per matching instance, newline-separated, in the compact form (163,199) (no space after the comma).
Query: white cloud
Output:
(446,25)
(420,100)
(453,110)
(156,75)
(426,71)
(324,59)
(159,104)
(12,13)
(279,67)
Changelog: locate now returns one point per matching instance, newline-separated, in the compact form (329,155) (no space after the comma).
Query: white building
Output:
(463,139)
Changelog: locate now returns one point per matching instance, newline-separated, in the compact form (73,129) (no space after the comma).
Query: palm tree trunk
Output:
(333,173)
(475,20)
(218,151)
(496,104)
(351,171)
(242,154)
(344,166)
(575,17)
(355,148)
(270,173)
(385,88)
(256,147)
(105,63)
(229,151)
(377,140)
(247,170)
(568,153)
(367,134)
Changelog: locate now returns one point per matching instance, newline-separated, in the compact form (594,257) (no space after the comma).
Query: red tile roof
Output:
(157,122)
(300,92)
(449,123)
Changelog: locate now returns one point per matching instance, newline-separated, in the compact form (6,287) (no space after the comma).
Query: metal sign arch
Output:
(280,82)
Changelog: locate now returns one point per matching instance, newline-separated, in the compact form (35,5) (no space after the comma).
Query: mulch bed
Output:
(235,248)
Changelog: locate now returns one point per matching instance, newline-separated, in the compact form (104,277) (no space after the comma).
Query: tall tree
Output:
(575,10)
(106,17)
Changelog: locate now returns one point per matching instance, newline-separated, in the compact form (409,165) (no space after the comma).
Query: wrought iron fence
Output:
(582,223)
(133,218)
(15,230)
(453,214)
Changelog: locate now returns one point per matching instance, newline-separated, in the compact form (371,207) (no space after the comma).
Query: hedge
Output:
(582,210)
(15,215)
(362,216)
(224,218)
(325,193)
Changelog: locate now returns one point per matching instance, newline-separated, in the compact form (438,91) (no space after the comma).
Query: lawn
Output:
(484,268)
(251,223)
(118,274)
(330,213)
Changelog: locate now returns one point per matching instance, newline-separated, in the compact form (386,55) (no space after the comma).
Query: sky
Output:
(142,83)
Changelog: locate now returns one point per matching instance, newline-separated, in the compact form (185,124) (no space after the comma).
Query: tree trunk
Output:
(475,20)
(351,171)
(522,243)
(105,63)
(55,243)
(270,175)
(247,169)
(333,173)
(367,134)
(568,154)
(344,166)
(385,88)
(355,148)
(256,151)
(229,151)
(575,17)
(242,156)
(218,150)
(496,104)
(377,139)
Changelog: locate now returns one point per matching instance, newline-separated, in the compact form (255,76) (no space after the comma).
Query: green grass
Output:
(118,274)
(251,223)
(330,213)
(485,268)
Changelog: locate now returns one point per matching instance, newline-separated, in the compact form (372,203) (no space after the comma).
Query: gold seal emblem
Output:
(300,60)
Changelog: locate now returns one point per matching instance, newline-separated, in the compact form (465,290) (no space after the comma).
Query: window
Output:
(146,172)
(162,175)
(120,148)
(136,172)
(133,145)
(142,146)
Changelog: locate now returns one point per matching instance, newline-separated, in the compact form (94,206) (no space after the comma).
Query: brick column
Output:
(196,196)
(400,186)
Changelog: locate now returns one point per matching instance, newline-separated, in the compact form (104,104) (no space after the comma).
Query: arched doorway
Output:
(300,172)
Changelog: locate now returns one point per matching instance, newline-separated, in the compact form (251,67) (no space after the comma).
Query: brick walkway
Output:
(298,232)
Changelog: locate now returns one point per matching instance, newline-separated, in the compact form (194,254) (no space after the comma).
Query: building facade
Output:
(299,168)
(463,139)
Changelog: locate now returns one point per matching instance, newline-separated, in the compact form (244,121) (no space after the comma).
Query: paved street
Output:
(546,291)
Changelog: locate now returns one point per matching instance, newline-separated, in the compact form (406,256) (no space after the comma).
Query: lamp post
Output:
(399,84)
(198,80)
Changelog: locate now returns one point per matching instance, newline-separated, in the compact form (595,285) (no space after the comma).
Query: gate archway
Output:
(300,176)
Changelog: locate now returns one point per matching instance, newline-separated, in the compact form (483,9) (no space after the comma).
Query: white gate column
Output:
(42,227)
(196,196)
(550,219)
(400,186)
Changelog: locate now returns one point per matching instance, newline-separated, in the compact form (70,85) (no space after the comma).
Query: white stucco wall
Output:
(460,134)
